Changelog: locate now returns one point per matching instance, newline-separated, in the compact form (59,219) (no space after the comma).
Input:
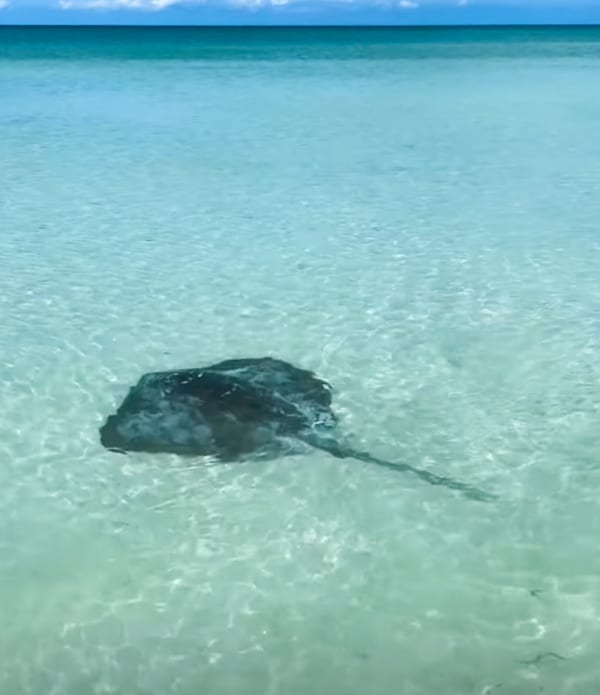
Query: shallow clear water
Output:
(412,215)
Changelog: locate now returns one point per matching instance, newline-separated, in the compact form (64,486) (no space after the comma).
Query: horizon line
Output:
(216,25)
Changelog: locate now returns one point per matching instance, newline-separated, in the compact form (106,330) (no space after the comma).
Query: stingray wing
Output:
(299,388)
(156,417)
(199,411)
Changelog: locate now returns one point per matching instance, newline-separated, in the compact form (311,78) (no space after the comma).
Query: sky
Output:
(296,12)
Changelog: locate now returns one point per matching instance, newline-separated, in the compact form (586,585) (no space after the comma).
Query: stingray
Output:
(237,410)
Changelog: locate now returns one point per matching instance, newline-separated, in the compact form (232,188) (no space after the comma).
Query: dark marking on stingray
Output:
(237,409)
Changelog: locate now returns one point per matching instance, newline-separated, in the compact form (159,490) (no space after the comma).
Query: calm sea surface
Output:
(413,214)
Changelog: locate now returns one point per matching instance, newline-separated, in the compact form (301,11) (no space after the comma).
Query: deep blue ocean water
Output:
(414,214)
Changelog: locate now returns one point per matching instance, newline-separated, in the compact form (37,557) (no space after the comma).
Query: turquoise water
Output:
(412,214)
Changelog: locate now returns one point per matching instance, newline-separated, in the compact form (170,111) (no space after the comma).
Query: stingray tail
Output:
(338,450)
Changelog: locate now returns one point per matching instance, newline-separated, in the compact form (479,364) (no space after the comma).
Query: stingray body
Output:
(234,410)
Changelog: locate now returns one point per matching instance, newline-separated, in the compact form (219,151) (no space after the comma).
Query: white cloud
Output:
(258,3)
(117,4)
(160,4)
(249,4)
(133,4)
